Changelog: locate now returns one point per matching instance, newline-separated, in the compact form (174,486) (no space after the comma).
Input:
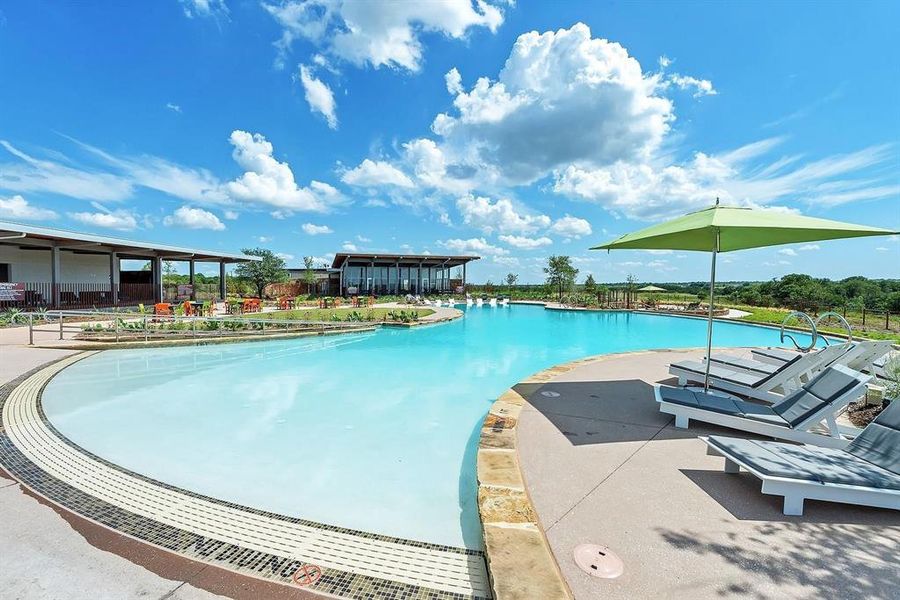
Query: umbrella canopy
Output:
(737,229)
(726,228)
(651,288)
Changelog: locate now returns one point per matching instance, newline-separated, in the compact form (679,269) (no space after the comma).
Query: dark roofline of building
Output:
(453,260)
(31,235)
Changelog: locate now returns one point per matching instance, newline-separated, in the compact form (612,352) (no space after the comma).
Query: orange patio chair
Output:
(162,309)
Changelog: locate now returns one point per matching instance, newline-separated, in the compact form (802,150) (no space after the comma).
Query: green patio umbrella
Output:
(727,228)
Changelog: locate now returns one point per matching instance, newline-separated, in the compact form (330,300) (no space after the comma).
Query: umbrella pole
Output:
(709,325)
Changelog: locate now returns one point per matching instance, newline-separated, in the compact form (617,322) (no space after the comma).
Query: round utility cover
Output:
(598,561)
(549,394)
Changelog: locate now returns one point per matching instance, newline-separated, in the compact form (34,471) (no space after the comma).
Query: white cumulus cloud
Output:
(571,227)
(644,190)
(372,173)
(525,243)
(500,216)
(18,207)
(377,32)
(312,229)
(120,219)
(562,97)
(699,87)
(319,96)
(473,246)
(269,181)
(193,218)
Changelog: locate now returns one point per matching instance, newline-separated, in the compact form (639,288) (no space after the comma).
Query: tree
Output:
(511,279)
(630,287)
(262,272)
(560,274)
(309,276)
(170,273)
(590,286)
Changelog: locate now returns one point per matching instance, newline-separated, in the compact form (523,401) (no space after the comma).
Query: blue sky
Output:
(512,131)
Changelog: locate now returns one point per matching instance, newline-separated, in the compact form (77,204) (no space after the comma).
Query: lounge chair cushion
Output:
(806,463)
(879,442)
(721,405)
(824,388)
(777,354)
(759,368)
(722,373)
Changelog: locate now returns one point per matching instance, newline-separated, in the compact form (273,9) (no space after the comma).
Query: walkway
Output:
(602,465)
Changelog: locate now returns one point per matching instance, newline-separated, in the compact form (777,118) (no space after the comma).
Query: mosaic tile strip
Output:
(252,543)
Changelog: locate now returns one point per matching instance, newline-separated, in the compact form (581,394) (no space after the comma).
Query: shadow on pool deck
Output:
(789,554)
(603,465)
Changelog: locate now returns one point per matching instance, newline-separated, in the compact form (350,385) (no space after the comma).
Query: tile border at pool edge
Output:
(189,545)
(518,555)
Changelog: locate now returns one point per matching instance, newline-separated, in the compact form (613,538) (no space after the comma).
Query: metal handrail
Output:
(842,320)
(812,325)
(118,318)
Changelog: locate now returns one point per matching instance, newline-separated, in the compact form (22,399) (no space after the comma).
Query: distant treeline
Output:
(802,292)
(795,291)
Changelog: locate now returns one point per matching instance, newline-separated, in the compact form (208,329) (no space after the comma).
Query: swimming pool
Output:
(374,432)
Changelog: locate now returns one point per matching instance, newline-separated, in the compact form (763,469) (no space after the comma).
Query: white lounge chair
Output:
(479,302)
(504,302)
(770,387)
(468,301)
(493,302)
(863,356)
(821,399)
(866,472)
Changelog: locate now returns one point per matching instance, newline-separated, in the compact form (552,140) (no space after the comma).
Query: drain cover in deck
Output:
(598,561)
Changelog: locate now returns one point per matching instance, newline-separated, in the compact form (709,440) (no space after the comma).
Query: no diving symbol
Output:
(307,574)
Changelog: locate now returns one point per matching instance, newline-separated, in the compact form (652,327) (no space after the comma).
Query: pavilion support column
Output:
(54,275)
(191,278)
(464,278)
(341,281)
(159,293)
(222,287)
(114,277)
(398,278)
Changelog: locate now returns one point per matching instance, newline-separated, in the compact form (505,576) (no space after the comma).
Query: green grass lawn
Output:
(776,315)
(329,314)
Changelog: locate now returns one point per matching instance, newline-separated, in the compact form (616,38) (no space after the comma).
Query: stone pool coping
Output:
(247,541)
(520,563)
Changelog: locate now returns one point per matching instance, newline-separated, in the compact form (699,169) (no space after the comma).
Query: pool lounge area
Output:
(335,485)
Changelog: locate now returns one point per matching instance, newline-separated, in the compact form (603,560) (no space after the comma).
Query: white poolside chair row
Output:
(816,403)
(807,393)
(771,381)
(490,302)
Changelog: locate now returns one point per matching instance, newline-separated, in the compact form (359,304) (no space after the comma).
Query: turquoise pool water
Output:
(374,432)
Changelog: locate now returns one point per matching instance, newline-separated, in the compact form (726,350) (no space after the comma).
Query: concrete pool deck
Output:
(602,465)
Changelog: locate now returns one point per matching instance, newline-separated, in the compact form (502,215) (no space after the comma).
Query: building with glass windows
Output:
(418,274)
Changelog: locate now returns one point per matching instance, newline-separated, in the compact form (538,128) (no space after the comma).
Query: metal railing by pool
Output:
(108,326)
